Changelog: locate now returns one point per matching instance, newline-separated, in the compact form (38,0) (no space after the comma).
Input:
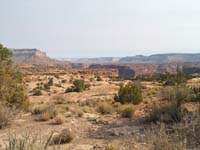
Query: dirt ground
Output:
(92,130)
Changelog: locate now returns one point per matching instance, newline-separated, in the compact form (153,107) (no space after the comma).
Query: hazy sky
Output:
(93,28)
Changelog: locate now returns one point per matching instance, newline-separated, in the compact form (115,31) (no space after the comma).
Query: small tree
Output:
(12,91)
(130,93)
(78,86)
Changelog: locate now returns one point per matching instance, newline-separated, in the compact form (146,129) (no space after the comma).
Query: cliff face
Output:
(33,56)
(27,53)
(163,58)
(131,70)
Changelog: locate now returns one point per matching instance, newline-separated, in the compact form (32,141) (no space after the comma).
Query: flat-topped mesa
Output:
(28,53)
(34,57)
(31,56)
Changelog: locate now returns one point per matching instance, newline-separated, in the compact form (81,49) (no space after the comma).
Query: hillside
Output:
(157,58)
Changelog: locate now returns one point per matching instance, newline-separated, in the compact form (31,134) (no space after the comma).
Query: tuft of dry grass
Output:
(59,119)
(65,136)
(60,100)
(127,111)
(43,117)
(45,113)
(87,109)
(105,108)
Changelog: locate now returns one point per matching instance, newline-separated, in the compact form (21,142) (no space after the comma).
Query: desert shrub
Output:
(46,87)
(175,79)
(130,93)
(109,147)
(195,94)
(63,81)
(171,111)
(58,85)
(36,91)
(38,110)
(160,139)
(87,109)
(183,135)
(43,117)
(60,100)
(12,88)
(168,79)
(50,81)
(44,112)
(168,113)
(104,108)
(78,86)
(59,119)
(56,76)
(177,94)
(89,102)
(127,111)
(79,113)
(65,136)
(5,116)
(98,78)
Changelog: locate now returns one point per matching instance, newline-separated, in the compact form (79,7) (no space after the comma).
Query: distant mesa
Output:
(156,58)
(33,56)
(126,66)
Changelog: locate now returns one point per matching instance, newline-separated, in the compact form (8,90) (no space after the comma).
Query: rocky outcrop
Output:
(20,56)
(132,70)
(33,56)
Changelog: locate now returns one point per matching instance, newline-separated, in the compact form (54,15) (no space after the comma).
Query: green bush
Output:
(36,91)
(170,111)
(50,81)
(12,89)
(98,78)
(196,94)
(130,93)
(45,113)
(175,79)
(78,86)
(177,94)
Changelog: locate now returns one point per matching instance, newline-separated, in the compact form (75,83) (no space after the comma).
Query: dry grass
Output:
(127,111)
(105,108)
(60,100)
(5,116)
(59,119)
(65,136)
(30,141)
(45,113)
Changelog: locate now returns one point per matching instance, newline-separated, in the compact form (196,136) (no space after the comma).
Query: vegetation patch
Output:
(129,93)
(6,116)
(78,86)
(127,111)
(105,108)
(65,136)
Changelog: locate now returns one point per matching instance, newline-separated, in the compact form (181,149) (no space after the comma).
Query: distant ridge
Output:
(156,58)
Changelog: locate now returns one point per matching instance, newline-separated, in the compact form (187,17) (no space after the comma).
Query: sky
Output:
(99,28)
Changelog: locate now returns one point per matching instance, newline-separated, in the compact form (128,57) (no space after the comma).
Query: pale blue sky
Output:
(94,28)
